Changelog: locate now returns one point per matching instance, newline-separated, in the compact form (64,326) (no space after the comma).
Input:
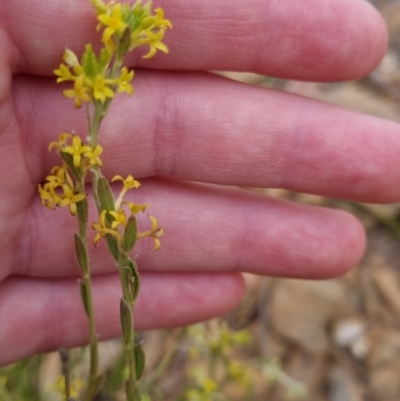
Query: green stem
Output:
(123,262)
(100,111)
(87,279)
(65,369)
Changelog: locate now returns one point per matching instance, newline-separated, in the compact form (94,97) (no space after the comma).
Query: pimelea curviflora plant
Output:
(96,78)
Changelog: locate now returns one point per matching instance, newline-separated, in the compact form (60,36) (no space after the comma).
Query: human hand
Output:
(183,126)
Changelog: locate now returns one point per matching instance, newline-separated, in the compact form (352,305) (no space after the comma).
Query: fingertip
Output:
(348,249)
(311,243)
(333,40)
(372,41)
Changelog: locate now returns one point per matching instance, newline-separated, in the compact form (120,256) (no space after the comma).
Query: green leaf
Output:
(69,161)
(82,211)
(137,7)
(105,194)
(84,296)
(81,254)
(105,57)
(130,234)
(124,43)
(132,393)
(133,279)
(140,360)
(94,387)
(112,246)
(126,321)
(90,63)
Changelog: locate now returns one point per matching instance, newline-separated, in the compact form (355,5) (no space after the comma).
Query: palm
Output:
(188,127)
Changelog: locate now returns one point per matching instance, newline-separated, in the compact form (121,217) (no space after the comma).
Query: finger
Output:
(204,128)
(42,315)
(311,39)
(206,229)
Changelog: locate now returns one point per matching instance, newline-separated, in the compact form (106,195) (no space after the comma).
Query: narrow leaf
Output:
(81,254)
(124,43)
(112,246)
(139,360)
(84,296)
(130,234)
(90,63)
(94,387)
(105,57)
(131,392)
(82,210)
(69,161)
(126,321)
(130,279)
(133,279)
(105,194)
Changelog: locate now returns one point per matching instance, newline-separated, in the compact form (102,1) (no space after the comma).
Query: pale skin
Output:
(184,125)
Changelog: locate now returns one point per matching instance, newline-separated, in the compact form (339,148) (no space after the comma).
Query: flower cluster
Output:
(91,77)
(60,190)
(82,155)
(125,28)
(135,23)
(115,222)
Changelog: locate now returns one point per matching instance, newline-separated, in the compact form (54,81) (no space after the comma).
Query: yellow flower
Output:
(64,74)
(160,20)
(62,141)
(129,183)
(59,171)
(151,32)
(58,179)
(155,232)
(94,156)
(119,218)
(72,61)
(100,6)
(103,230)
(123,81)
(135,208)
(70,199)
(61,176)
(55,181)
(113,22)
(156,21)
(48,195)
(100,89)
(76,150)
(80,92)
(154,41)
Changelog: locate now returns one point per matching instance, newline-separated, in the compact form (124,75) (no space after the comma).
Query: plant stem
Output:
(65,369)
(87,279)
(100,111)
(129,348)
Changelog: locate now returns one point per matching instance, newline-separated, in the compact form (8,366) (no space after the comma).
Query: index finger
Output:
(317,40)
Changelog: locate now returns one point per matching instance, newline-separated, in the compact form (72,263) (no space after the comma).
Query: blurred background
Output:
(334,340)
